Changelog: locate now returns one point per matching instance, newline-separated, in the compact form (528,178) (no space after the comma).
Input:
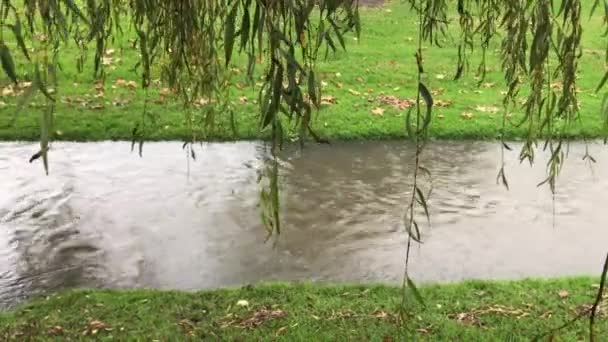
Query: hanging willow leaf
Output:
(602,82)
(74,8)
(411,225)
(414,289)
(245,26)
(45,136)
(7,62)
(16,28)
(230,32)
(38,82)
(502,178)
(409,125)
(134,135)
(23,101)
(312,88)
(422,201)
(428,99)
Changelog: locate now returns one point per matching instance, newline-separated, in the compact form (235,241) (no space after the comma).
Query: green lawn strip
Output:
(361,88)
(467,311)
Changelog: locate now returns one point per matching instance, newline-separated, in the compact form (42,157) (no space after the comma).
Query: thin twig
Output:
(590,311)
(598,299)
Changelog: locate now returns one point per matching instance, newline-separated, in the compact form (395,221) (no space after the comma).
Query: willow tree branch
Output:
(598,300)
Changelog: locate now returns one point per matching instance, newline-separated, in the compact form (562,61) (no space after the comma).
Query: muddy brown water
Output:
(107,218)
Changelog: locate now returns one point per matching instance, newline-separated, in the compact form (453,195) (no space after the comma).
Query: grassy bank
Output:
(363,89)
(469,311)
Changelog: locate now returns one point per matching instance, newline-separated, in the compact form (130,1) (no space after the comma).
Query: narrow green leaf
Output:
(16,28)
(312,88)
(408,124)
(428,99)
(417,295)
(423,203)
(229,33)
(245,28)
(338,34)
(602,82)
(40,84)
(45,135)
(23,100)
(7,62)
(74,8)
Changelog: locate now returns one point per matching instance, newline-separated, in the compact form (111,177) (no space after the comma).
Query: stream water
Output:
(106,218)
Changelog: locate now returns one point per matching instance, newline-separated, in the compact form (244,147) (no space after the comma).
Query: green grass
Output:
(468,311)
(381,62)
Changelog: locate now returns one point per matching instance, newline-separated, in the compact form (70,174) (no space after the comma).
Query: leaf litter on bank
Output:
(254,319)
(472,317)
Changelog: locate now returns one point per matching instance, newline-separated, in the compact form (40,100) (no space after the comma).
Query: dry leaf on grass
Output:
(260,316)
(95,326)
(437,91)
(354,92)
(165,91)
(378,111)
(442,103)
(56,330)
(472,317)
(397,103)
(328,100)
(107,60)
(487,109)
(466,115)
(201,102)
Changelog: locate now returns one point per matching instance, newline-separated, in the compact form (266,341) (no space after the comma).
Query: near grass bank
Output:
(365,91)
(468,311)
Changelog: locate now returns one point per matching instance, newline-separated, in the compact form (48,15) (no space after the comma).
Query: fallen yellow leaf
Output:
(378,111)
(563,294)
(328,100)
(466,115)
(442,103)
(8,91)
(440,76)
(354,92)
(487,109)
(437,91)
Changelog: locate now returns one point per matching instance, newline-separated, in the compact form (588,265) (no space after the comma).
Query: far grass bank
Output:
(365,91)
(468,311)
